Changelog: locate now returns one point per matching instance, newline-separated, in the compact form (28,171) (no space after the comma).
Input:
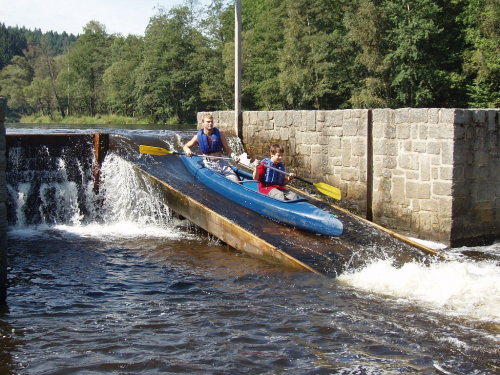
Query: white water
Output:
(461,288)
(131,208)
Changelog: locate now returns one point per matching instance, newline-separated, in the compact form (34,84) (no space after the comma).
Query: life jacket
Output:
(204,145)
(273,177)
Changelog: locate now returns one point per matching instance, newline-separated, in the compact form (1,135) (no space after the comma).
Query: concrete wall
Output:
(429,172)
(3,208)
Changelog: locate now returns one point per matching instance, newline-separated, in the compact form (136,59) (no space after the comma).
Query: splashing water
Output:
(457,288)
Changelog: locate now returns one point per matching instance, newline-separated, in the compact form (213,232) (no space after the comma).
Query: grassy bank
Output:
(96,120)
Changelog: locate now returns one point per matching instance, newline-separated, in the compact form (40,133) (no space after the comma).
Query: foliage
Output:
(296,54)
(482,58)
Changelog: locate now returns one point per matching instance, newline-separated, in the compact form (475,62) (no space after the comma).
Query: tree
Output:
(88,62)
(217,86)
(14,78)
(482,58)
(263,44)
(168,80)
(119,78)
(313,73)
(12,43)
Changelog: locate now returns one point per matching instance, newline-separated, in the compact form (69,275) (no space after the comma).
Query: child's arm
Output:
(256,175)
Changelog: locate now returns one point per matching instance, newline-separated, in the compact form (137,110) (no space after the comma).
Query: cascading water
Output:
(63,195)
(46,189)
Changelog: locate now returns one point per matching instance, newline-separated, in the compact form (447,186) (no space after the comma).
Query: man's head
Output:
(207,121)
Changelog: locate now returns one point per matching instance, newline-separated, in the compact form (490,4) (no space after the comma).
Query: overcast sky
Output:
(119,16)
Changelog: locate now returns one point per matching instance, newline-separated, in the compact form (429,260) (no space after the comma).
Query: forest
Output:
(296,55)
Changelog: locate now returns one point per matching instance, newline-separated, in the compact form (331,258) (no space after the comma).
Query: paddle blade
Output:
(154,150)
(329,190)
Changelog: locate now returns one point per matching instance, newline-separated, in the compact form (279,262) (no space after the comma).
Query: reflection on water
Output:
(138,291)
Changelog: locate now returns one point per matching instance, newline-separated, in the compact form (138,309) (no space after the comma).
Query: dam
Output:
(236,226)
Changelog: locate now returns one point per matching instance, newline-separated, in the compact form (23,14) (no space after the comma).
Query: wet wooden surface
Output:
(360,243)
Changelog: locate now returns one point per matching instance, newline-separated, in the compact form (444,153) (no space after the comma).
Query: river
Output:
(137,291)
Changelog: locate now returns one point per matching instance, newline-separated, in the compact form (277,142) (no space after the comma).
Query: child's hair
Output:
(275,148)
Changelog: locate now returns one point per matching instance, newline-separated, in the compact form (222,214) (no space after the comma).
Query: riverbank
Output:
(92,120)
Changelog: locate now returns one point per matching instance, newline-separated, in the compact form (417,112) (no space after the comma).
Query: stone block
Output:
(359,147)
(419,190)
(350,128)
(390,131)
(420,147)
(445,207)
(335,118)
(350,174)
(447,153)
(403,131)
(390,162)
(310,120)
(433,147)
(381,115)
(418,115)
(447,116)
(425,168)
(401,116)
(440,188)
(479,116)
(423,131)
(297,119)
(463,116)
(433,115)
(398,190)
(280,119)
(409,162)
(379,147)
(429,205)
(446,173)
(284,133)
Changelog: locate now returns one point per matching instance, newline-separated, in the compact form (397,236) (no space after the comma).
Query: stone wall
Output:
(3,208)
(431,173)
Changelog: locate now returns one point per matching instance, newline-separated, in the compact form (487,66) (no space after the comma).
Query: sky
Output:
(118,16)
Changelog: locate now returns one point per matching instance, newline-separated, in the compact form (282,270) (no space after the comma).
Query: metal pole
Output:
(237,66)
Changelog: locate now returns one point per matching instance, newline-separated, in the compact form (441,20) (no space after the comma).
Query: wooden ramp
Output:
(258,236)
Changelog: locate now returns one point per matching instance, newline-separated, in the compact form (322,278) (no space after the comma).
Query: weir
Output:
(166,176)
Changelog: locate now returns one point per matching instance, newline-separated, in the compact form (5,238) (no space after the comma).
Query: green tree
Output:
(168,80)
(262,45)
(119,78)
(482,59)
(14,78)
(411,27)
(12,43)
(217,86)
(88,61)
(313,73)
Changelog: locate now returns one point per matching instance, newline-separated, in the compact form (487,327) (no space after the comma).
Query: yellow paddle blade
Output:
(154,150)
(329,190)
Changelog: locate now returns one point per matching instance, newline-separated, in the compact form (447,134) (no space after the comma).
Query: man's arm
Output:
(187,146)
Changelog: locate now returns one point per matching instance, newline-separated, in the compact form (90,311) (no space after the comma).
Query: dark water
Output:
(138,292)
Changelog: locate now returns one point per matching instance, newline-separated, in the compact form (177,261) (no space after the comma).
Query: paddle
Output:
(162,151)
(326,189)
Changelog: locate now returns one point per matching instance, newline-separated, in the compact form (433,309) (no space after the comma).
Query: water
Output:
(135,290)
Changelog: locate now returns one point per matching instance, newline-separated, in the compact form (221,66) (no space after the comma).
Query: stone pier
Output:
(426,172)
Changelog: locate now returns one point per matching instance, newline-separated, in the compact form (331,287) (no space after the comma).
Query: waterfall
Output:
(62,192)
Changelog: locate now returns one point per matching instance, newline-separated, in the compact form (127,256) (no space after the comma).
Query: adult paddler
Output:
(212,142)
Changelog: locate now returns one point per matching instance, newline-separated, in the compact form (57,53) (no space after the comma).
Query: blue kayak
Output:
(298,213)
